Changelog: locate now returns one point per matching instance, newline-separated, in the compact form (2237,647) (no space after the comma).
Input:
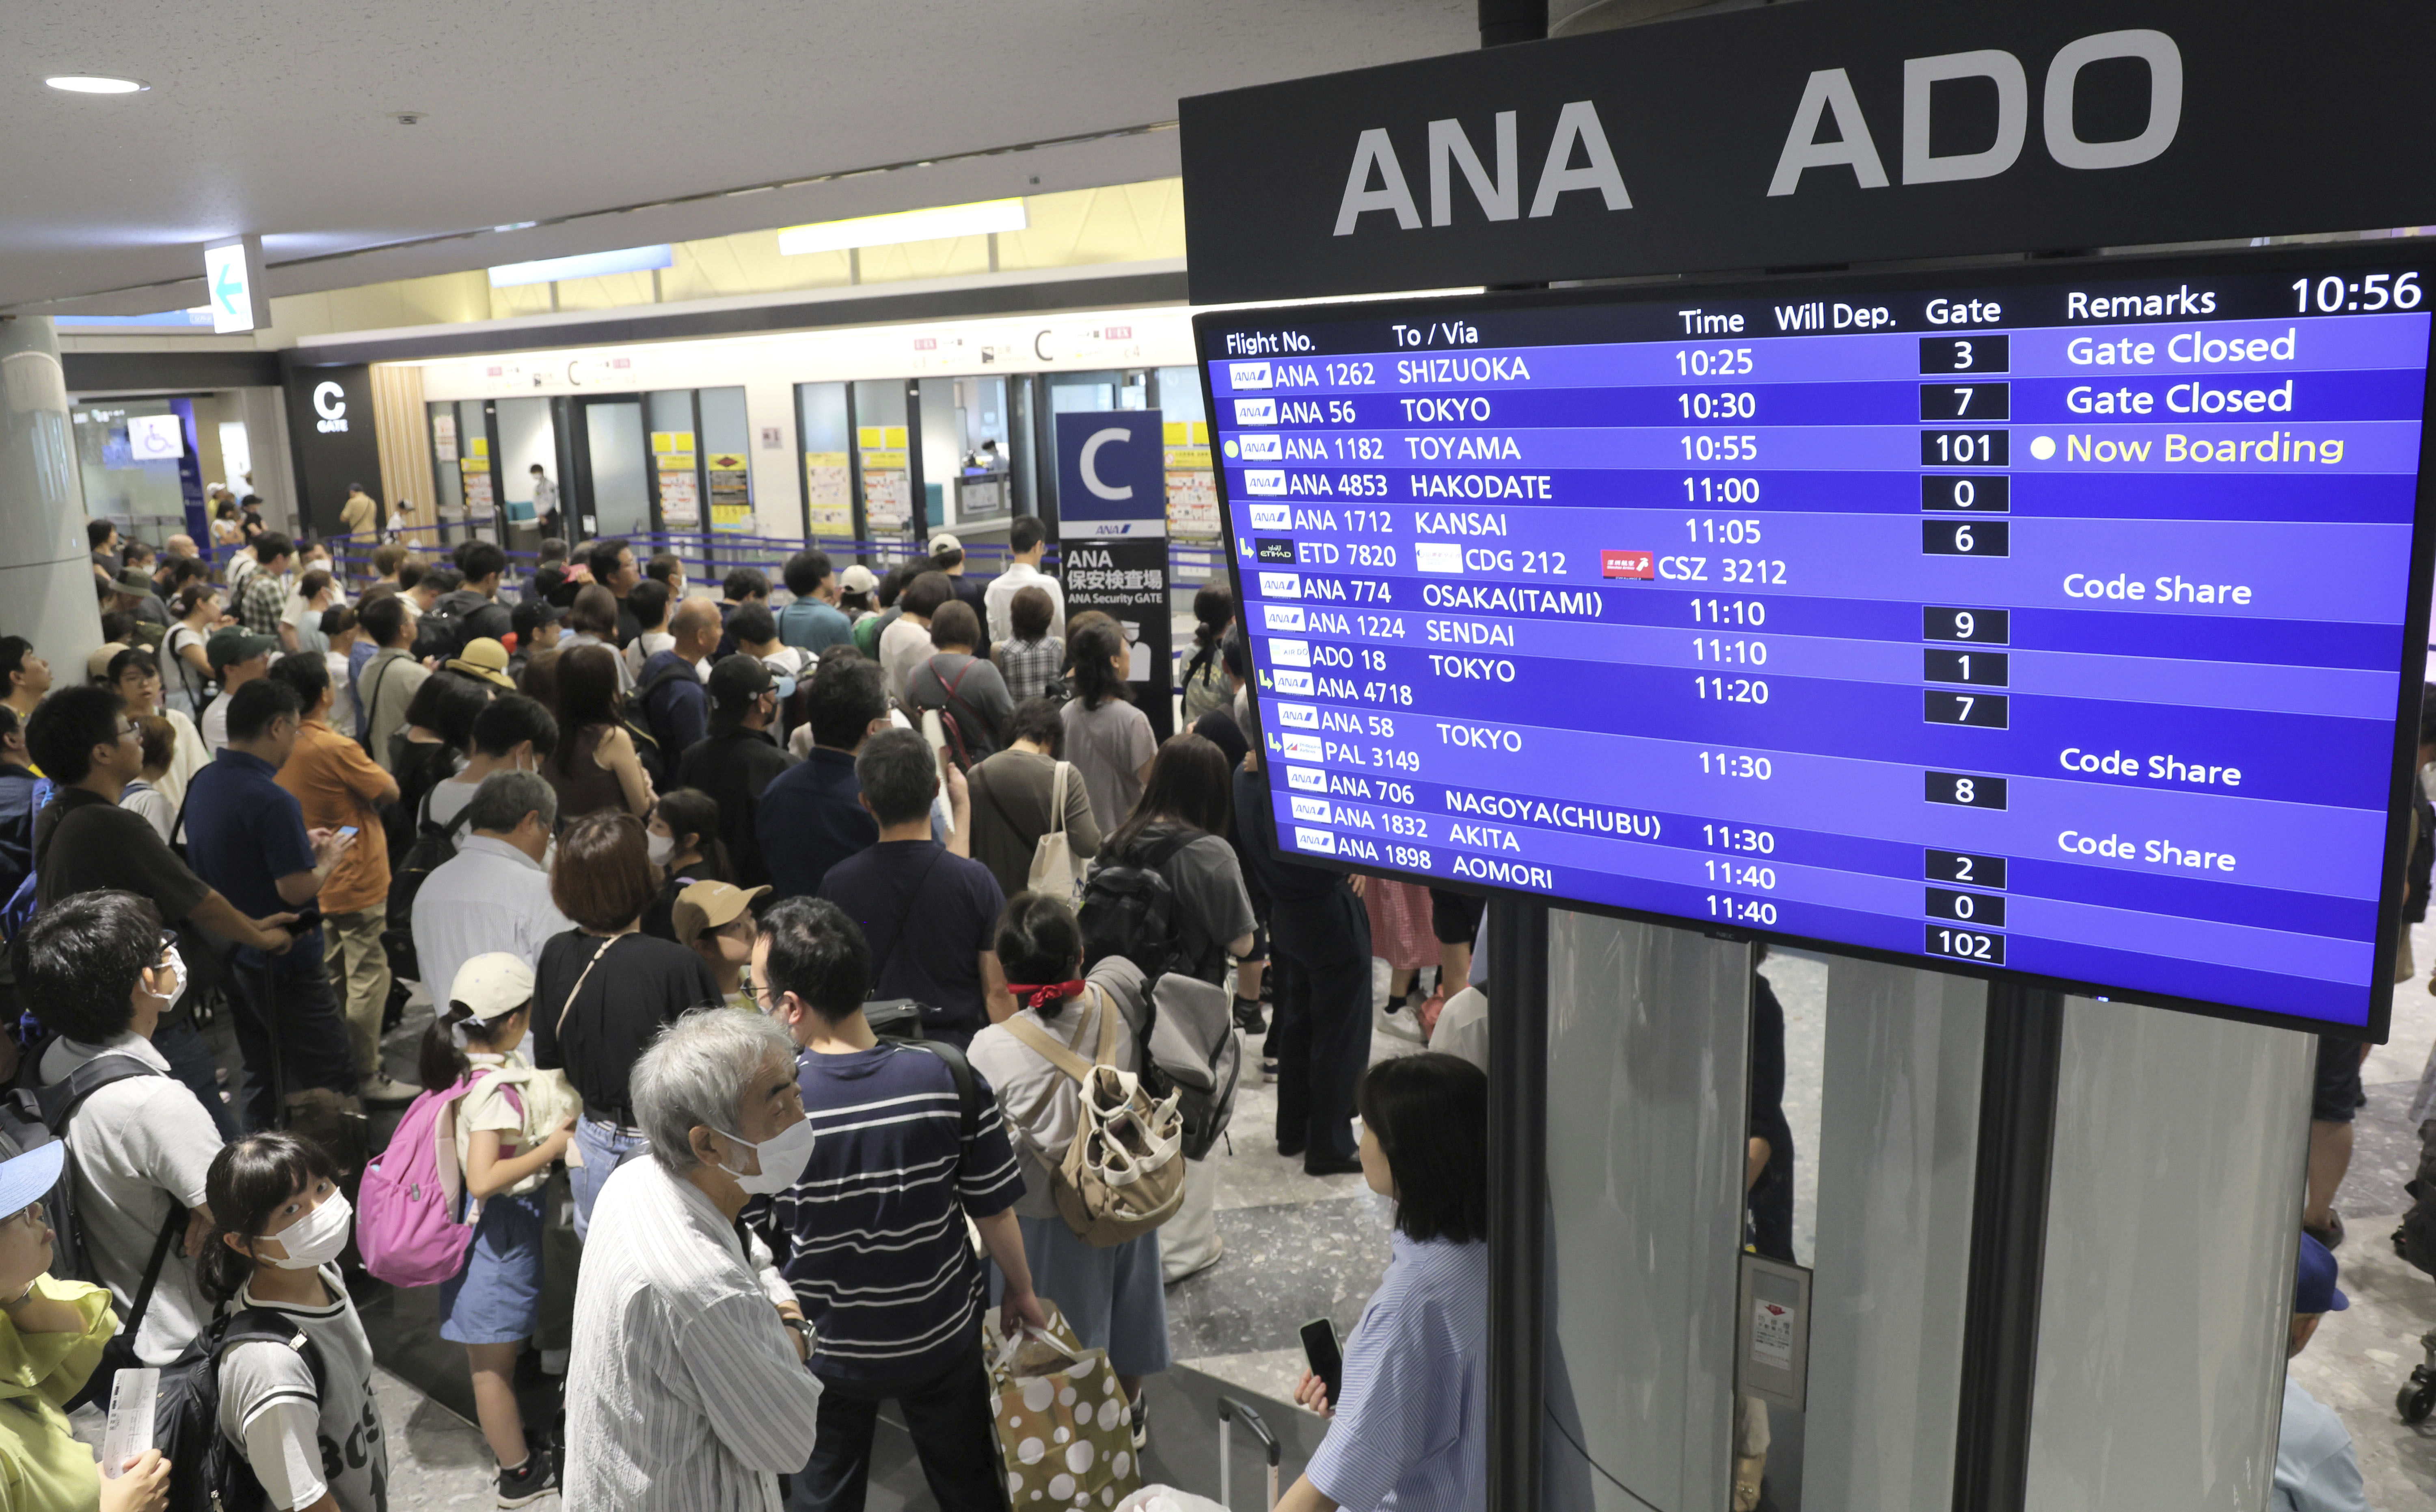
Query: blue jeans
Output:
(605,1148)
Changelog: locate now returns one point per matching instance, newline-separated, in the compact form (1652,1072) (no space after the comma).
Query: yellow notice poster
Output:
(828,494)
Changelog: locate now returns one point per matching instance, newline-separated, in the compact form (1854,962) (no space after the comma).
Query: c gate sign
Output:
(1815,133)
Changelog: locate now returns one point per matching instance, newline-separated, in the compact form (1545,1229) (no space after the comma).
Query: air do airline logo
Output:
(1579,159)
(330,402)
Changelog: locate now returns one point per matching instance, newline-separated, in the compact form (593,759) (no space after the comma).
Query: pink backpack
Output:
(405,1225)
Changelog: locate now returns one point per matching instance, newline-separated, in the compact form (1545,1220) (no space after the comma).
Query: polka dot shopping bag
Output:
(1065,1429)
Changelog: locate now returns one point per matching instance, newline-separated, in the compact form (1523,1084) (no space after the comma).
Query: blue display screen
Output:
(2066,623)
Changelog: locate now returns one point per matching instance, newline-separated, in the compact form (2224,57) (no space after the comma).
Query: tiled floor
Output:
(1300,1247)
(2362,1357)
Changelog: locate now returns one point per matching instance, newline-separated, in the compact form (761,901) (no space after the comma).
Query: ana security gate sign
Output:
(1803,134)
(1112,530)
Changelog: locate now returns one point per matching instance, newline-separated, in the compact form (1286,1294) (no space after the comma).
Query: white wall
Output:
(769,367)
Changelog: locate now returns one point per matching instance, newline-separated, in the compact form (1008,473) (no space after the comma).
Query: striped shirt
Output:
(693,1399)
(873,1234)
(1412,1431)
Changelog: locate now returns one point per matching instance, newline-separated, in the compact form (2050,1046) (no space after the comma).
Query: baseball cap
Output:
(484,658)
(228,647)
(705,905)
(134,580)
(31,1176)
(943,543)
(858,578)
(532,612)
(2314,1289)
(737,680)
(492,985)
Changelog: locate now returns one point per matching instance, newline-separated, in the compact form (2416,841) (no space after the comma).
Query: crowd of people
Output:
(760,939)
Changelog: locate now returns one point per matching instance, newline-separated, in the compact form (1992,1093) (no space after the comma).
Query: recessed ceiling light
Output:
(97,84)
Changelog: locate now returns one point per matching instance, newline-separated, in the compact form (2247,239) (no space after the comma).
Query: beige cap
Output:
(484,658)
(943,543)
(705,905)
(492,985)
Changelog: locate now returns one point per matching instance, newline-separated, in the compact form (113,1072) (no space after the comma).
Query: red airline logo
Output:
(1626,564)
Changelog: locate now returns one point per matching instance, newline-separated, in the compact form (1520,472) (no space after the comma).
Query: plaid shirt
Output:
(261,603)
(1029,667)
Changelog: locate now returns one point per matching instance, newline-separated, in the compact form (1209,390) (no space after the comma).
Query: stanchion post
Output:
(2020,1069)
(1517,1195)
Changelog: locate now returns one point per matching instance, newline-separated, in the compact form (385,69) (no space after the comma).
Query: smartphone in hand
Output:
(1327,1362)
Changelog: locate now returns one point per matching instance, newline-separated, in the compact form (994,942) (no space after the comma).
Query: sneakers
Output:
(1387,1022)
(382,1088)
(1142,1422)
(1247,1016)
(528,1483)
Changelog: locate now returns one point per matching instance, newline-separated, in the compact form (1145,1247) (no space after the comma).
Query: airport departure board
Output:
(2063,621)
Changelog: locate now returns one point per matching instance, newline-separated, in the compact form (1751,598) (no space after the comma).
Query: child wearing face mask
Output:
(279,1224)
(508,1131)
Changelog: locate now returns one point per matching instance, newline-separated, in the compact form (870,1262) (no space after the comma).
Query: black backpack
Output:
(439,632)
(433,847)
(1128,909)
(640,701)
(208,1472)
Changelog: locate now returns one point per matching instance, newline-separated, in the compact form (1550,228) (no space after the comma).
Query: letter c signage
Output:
(330,401)
(1091,459)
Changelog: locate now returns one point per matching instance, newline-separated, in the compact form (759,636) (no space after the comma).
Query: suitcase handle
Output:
(1230,1408)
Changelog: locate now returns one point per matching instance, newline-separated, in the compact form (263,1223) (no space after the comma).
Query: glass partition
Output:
(127,451)
(526,438)
(981,455)
(677,460)
(824,422)
(615,447)
(883,456)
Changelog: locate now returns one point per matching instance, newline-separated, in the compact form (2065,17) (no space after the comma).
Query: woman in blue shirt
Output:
(1412,1431)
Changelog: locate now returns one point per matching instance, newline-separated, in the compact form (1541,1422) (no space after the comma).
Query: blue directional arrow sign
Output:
(232,271)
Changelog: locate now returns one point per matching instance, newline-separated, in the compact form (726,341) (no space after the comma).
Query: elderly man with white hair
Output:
(689,1348)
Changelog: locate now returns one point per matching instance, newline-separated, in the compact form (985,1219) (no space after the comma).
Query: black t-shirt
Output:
(928,916)
(83,842)
(640,984)
(734,769)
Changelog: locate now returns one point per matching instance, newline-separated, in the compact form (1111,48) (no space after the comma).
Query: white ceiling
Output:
(274,116)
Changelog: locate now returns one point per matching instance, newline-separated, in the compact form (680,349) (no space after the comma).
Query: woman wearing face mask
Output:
(683,837)
(51,1338)
(604,988)
(279,1224)
(509,1131)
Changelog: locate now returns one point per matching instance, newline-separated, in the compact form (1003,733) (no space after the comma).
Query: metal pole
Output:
(1518,1188)
(2019,1072)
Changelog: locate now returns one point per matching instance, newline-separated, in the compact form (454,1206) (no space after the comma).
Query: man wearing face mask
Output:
(690,1349)
(873,1238)
(100,972)
(735,764)
(495,894)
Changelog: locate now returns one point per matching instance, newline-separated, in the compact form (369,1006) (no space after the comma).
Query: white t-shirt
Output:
(141,1145)
(293,1441)
(903,646)
(215,726)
